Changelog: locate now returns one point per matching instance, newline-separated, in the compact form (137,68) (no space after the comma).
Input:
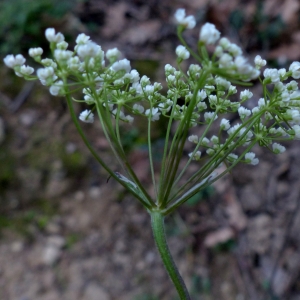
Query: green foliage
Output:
(71,240)
(200,285)
(226,246)
(38,215)
(146,66)
(129,139)
(268,31)
(25,20)
(237,19)
(145,297)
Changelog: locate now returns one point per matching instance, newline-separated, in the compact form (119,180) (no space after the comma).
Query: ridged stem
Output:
(158,229)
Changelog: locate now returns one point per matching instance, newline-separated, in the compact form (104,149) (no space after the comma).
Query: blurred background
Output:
(66,232)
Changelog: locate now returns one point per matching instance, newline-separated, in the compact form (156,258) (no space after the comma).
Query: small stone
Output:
(53,228)
(51,255)
(17,246)
(56,241)
(95,292)
(95,192)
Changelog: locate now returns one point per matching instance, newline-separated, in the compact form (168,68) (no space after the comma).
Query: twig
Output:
(22,96)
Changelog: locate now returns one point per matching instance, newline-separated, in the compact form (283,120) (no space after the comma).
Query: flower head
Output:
(295,69)
(52,37)
(86,116)
(123,64)
(209,34)
(189,21)
(250,158)
(12,61)
(182,52)
(259,62)
(277,148)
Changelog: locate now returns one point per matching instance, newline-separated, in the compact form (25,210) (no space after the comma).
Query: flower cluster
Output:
(116,92)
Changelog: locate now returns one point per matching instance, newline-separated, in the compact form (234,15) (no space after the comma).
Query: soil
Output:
(69,232)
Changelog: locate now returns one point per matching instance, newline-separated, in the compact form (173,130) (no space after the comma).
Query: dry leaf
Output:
(219,236)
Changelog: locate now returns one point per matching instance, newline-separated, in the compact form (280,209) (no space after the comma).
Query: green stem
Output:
(149,204)
(157,222)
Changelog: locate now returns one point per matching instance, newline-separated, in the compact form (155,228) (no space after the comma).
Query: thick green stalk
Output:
(157,222)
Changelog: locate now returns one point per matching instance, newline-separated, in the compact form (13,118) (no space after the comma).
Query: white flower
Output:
(233,129)
(224,124)
(144,81)
(12,61)
(297,131)
(250,158)
(209,34)
(74,63)
(259,62)
(282,73)
(128,119)
(201,95)
(33,52)
(134,76)
(277,148)
(24,70)
(213,100)
(234,50)
(214,139)
(224,43)
(222,82)
(295,69)
(189,21)
(113,54)
(196,155)
(245,95)
(194,69)
(261,103)
(171,79)
(89,99)
(182,52)
(292,86)
(82,39)
(209,115)
(149,89)
(86,116)
(285,96)
(62,45)
(123,64)
(226,60)
(218,51)
(244,112)
(193,138)
(169,69)
(88,50)
(242,65)
(46,75)
(294,115)
(56,88)
(154,114)
(62,54)
(272,74)
(138,108)
(232,90)
(232,157)
(137,87)
(47,62)
(205,142)
(52,37)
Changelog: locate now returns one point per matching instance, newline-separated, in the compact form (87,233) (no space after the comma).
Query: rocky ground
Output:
(67,232)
